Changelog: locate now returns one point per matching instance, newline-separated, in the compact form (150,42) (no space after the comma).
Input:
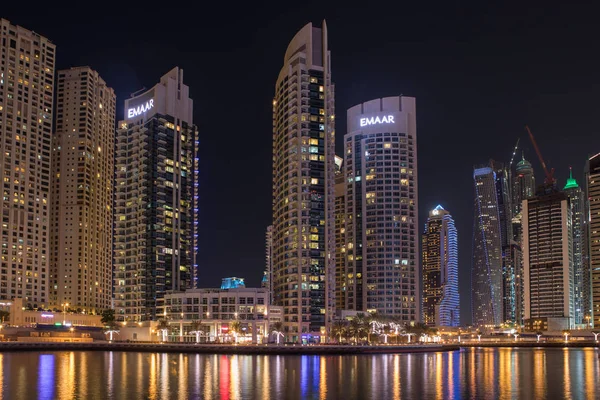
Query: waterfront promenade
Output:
(222,348)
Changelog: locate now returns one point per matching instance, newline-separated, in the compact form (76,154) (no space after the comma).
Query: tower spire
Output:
(571,183)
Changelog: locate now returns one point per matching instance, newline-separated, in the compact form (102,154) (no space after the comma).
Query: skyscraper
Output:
(26,92)
(82,192)
(303,187)
(440,270)
(576,202)
(548,262)
(593,193)
(486,273)
(267,280)
(509,268)
(382,241)
(340,236)
(523,185)
(153,199)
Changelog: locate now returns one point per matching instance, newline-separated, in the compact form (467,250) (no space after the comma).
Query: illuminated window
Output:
(387,145)
(314,181)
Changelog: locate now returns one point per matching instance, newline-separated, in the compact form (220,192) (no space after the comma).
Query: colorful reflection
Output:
(503,373)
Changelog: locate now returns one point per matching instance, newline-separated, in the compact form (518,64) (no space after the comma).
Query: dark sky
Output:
(479,73)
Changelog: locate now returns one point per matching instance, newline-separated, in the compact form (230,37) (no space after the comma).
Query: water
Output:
(473,373)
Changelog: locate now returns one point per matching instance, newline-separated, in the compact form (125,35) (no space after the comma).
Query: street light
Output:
(64,306)
(596,336)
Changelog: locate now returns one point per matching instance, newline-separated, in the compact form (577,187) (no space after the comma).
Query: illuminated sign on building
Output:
(142,108)
(386,119)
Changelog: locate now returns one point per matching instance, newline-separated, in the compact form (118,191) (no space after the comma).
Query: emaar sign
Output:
(386,119)
(140,109)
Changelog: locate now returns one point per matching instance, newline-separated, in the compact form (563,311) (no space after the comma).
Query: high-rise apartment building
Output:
(486,274)
(303,187)
(267,280)
(382,240)
(548,262)
(340,238)
(593,193)
(26,94)
(578,215)
(523,184)
(154,216)
(82,191)
(440,270)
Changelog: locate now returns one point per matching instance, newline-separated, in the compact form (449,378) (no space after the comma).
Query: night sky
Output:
(479,74)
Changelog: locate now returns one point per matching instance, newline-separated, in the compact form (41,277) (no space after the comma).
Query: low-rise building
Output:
(22,316)
(215,311)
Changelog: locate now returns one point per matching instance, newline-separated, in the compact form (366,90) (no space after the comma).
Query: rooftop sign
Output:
(386,119)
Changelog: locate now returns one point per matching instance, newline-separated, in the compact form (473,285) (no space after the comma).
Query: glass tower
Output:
(576,202)
(154,215)
(440,270)
(486,273)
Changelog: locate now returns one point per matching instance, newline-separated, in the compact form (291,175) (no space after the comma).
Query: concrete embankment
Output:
(557,344)
(223,349)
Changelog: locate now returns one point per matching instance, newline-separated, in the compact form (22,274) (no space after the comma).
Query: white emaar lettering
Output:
(135,111)
(386,119)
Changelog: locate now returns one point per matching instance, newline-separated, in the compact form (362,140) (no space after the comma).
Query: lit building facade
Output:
(548,260)
(154,216)
(440,270)
(523,185)
(578,214)
(509,266)
(303,187)
(382,241)
(82,192)
(593,193)
(340,238)
(486,274)
(26,93)
(232,283)
(267,279)
(216,309)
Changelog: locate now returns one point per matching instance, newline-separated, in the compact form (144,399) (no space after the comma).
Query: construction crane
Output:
(513,154)
(549,181)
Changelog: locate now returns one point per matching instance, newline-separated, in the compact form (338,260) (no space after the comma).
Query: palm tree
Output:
(359,326)
(277,329)
(163,327)
(337,329)
(235,327)
(197,329)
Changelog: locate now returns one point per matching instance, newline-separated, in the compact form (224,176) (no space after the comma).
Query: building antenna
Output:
(136,92)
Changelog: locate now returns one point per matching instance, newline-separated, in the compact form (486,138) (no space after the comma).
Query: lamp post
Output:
(64,305)
(596,336)
(181,328)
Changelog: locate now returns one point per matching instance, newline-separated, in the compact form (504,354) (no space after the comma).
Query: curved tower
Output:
(303,187)
(440,270)
(486,272)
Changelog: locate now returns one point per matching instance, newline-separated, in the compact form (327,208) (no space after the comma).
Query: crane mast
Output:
(549,180)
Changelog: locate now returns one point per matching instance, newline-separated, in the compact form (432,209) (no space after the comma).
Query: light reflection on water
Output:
(475,373)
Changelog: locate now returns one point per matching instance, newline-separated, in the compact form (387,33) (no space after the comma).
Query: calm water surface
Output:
(474,373)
